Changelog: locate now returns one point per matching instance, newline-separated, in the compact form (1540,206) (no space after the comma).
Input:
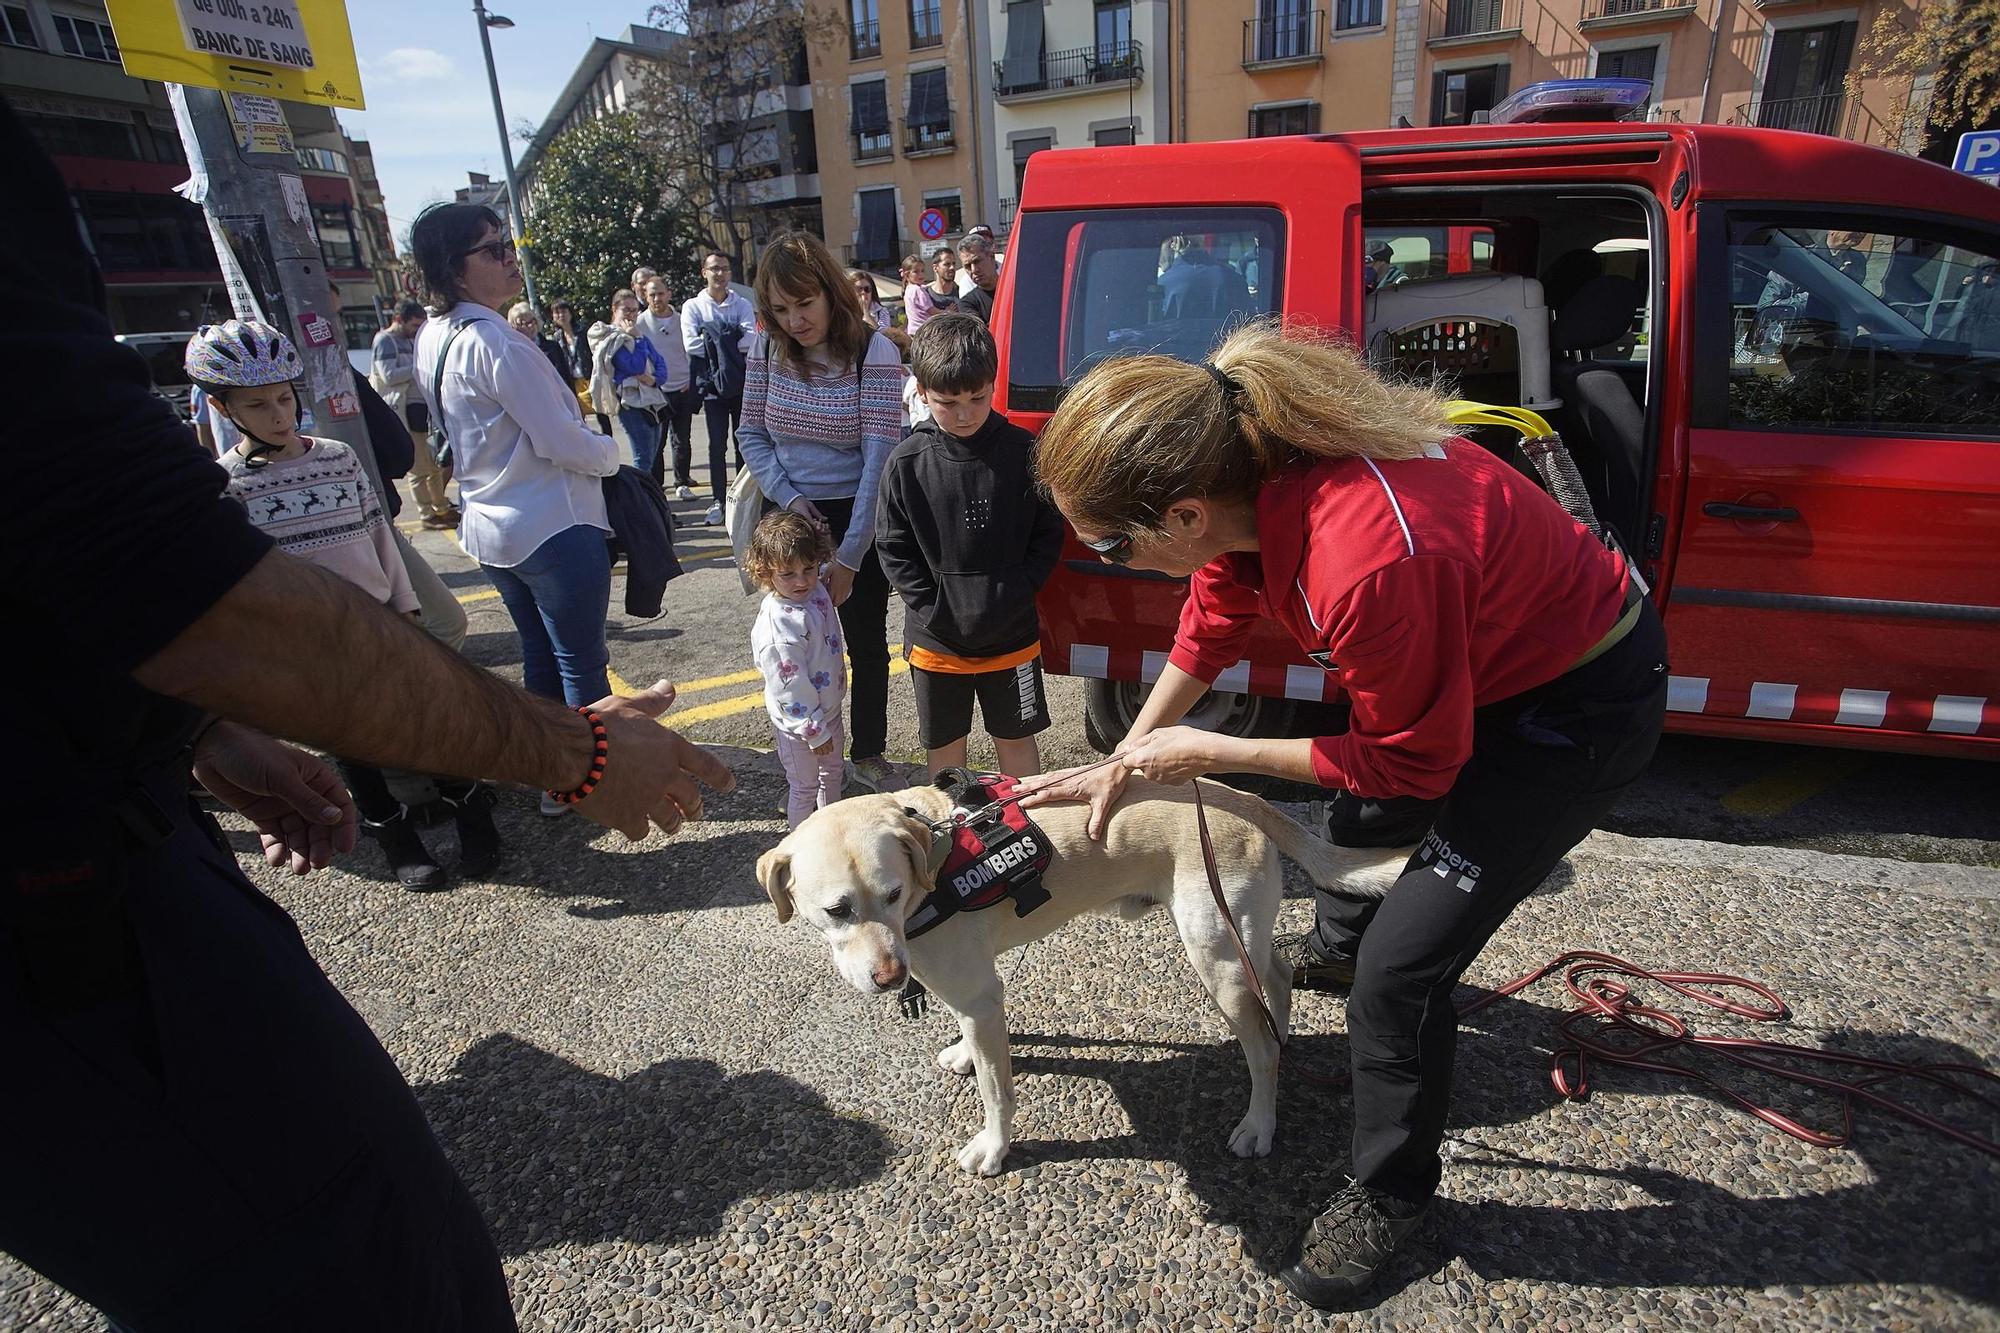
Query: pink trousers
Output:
(816,779)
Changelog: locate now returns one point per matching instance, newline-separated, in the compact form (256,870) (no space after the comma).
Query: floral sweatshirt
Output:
(798,648)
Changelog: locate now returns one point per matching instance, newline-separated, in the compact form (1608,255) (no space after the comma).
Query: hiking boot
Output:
(1345,1248)
(404,850)
(1311,969)
(478,840)
(878,774)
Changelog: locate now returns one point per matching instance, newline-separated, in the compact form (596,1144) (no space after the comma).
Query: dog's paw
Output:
(956,1059)
(1252,1136)
(984,1155)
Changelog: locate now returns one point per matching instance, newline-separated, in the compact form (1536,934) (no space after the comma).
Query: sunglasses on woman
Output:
(1116,548)
(499,251)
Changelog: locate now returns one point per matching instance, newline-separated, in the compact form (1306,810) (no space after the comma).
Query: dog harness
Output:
(985,850)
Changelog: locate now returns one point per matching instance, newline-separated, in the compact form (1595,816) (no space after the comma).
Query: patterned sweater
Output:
(825,438)
(320,507)
(797,647)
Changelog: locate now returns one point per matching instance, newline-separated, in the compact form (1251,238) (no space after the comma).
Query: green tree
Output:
(604,205)
(1941,59)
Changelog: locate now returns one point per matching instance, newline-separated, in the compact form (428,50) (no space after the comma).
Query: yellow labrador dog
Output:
(855,870)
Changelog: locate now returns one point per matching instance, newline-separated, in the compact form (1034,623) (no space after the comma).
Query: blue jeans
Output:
(642,427)
(559,597)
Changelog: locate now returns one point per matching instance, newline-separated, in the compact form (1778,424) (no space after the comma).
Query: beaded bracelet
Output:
(601,747)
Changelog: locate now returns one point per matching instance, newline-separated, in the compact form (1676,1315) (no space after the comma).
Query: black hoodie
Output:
(966,538)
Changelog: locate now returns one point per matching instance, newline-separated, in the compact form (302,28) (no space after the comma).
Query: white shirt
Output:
(527,466)
(704,311)
(797,647)
(666,335)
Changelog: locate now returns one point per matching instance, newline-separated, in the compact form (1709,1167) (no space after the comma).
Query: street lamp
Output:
(486,21)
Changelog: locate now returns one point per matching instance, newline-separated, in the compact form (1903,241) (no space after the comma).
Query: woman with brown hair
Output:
(1506,674)
(822,408)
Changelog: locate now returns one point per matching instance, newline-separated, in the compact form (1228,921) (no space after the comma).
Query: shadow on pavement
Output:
(554,1153)
(1909,1225)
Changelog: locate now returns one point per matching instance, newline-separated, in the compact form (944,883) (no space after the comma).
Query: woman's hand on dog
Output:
(1100,783)
(651,775)
(1171,755)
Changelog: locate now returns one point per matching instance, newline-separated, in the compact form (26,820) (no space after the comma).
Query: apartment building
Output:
(903,125)
(606,81)
(114,141)
(1291,67)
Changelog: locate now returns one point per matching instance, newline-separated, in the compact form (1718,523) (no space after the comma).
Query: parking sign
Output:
(1979,155)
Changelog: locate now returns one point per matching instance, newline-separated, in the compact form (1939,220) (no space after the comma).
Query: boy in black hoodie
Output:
(967,539)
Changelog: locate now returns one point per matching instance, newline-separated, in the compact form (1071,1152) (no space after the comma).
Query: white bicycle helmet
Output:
(241,354)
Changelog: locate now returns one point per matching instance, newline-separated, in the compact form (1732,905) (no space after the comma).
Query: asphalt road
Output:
(675,1116)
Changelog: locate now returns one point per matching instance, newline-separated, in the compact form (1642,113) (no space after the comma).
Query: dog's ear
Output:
(774,872)
(915,835)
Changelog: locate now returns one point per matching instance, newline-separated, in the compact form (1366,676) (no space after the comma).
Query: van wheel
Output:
(1111,706)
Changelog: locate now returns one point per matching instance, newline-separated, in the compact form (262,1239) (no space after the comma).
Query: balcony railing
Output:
(1288,39)
(1085,67)
(927,138)
(1456,20)
(1595,10)
(1821,113)
(1004,225)
(872,145)
(926,25)
(865,38)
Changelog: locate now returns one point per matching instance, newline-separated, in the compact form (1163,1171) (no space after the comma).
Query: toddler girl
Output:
(797,645)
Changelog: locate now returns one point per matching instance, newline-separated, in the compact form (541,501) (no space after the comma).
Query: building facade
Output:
(606,81)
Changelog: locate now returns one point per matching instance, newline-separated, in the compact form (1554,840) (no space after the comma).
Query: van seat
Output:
(1489,331)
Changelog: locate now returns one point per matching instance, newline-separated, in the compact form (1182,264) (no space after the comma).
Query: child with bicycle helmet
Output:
(313,497)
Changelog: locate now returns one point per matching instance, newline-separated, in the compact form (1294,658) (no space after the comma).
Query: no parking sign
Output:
(931,224)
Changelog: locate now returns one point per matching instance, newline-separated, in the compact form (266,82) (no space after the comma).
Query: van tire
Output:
(1111,706)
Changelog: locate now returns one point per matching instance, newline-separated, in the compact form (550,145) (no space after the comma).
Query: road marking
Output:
(467,598)
(737,703)
(619,685)
(1794,782)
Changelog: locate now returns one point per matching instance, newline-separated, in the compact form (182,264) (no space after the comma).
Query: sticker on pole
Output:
(931,224)
(294,50)
(1979,155)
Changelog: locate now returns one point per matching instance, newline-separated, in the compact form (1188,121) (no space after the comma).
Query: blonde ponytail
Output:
(1139,432)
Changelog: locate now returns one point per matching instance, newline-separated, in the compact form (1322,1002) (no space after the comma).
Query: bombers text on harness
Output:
(984,851)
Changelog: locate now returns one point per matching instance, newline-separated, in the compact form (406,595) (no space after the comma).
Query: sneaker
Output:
(878,774)
(1345,1248)
(1311,969)
(714,516)
(408,861)
(683,492)
(552,807)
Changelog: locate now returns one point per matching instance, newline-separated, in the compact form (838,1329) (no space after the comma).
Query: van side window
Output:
(1862,329)
(1093,284)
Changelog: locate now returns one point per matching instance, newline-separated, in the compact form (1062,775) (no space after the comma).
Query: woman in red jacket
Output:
(1508,680)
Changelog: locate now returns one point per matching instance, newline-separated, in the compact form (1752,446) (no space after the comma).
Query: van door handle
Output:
(1750,513)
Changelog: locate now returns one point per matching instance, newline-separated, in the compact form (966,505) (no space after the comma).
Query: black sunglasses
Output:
(1116,548)
(500,251)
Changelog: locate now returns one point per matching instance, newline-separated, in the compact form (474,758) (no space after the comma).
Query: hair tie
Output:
(1230,388)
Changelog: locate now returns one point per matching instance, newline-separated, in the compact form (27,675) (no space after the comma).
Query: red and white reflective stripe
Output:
(1782,701)
(1287,680)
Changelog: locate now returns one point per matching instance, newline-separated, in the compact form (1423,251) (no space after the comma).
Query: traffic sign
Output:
(931,224)
(296,50)
(1979,155)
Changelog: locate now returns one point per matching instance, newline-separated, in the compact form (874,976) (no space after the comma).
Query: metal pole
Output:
(258,200)
(506,151)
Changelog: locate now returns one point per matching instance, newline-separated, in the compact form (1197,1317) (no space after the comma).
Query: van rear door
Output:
(1164,249)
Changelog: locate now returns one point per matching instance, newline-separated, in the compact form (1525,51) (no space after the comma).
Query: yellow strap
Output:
(1462,412)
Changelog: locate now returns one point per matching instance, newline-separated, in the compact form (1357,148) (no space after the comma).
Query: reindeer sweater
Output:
(320,507)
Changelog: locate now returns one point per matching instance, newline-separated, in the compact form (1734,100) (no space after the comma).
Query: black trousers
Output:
(374,800)
(1546,766)
(677,422)
(721,416)
(208,1137)
(864,620)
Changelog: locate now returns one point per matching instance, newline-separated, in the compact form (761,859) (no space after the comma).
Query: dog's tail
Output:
(1358,872)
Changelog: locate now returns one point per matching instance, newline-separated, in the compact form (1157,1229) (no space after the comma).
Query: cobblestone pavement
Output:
(675,1116)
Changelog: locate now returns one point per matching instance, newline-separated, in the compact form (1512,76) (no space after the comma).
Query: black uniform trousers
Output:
(1546,765)
(199,1133)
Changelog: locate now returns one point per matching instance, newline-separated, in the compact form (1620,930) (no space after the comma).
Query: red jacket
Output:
(1428,586)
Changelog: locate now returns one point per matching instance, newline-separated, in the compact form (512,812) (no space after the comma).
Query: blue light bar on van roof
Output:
(1573,99)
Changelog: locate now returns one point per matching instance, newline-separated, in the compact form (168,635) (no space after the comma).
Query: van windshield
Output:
(1094,284)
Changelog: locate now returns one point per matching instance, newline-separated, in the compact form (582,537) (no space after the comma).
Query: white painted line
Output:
(1305,682)
(1151,664)
(1090,659)
(1957,713)
(1687,694)
(1862,708)
(1772,701)
(1236,679)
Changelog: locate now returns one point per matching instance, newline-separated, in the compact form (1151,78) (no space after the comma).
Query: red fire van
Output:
(1774,355)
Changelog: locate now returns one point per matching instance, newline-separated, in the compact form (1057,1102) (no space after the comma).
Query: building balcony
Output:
(1616,13)
(864,39)
(921,140)
(926,26)
(321,159)
(1821,113)
(874,146)
(1086,69)
(1292,39)
(1469,22)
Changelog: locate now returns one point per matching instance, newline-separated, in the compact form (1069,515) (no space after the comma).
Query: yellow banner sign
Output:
(294,50)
